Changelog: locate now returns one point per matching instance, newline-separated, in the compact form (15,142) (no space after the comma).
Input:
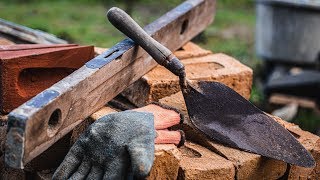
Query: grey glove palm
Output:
(117,146)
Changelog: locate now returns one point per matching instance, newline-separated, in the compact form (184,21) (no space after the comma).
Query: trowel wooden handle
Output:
(124,23)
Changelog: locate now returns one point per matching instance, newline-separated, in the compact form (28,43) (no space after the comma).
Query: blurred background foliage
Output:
(84,22)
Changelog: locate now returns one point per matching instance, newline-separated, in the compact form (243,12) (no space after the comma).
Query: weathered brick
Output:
(27,70)
(312,143)
(248,165)
(99,50)
(101,112)
(316,155)
(198,162)
(166,162)
(191,50)
(200,65)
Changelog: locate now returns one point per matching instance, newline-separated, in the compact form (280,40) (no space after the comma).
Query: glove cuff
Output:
(183,139)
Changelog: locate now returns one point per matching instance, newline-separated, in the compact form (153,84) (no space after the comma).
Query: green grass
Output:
(77,22)
(307,119)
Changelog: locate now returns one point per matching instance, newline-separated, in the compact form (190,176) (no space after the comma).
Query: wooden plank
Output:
(41,121)
(287,99)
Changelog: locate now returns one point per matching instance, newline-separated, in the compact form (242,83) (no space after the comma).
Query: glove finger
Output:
(142,156)
(117,167)
(96,172)
(169,137)
(163,118)
(70,163)
(83,170)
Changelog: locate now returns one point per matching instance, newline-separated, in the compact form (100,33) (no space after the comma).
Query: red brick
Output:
(33,68)
(312,143)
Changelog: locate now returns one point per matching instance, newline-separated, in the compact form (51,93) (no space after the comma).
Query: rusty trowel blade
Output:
(226,117)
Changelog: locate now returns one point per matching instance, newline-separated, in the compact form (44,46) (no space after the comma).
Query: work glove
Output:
(121,145)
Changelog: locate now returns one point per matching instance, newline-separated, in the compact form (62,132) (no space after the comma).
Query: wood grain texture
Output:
(68,102)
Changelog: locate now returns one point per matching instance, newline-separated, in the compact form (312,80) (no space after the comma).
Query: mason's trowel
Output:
(217,110)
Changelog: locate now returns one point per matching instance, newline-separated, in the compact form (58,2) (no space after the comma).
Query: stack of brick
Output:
(205,159)
(200,64)
(201,158)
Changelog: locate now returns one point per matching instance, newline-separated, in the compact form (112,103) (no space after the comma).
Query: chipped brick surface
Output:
(200,65)
(28,71)
(101,112)
(248,165)
(316,155)
(191,50)
(312,143)
(99,50)
(198,162)
(166,162)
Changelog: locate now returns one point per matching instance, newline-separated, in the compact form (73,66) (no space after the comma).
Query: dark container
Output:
(288,31)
